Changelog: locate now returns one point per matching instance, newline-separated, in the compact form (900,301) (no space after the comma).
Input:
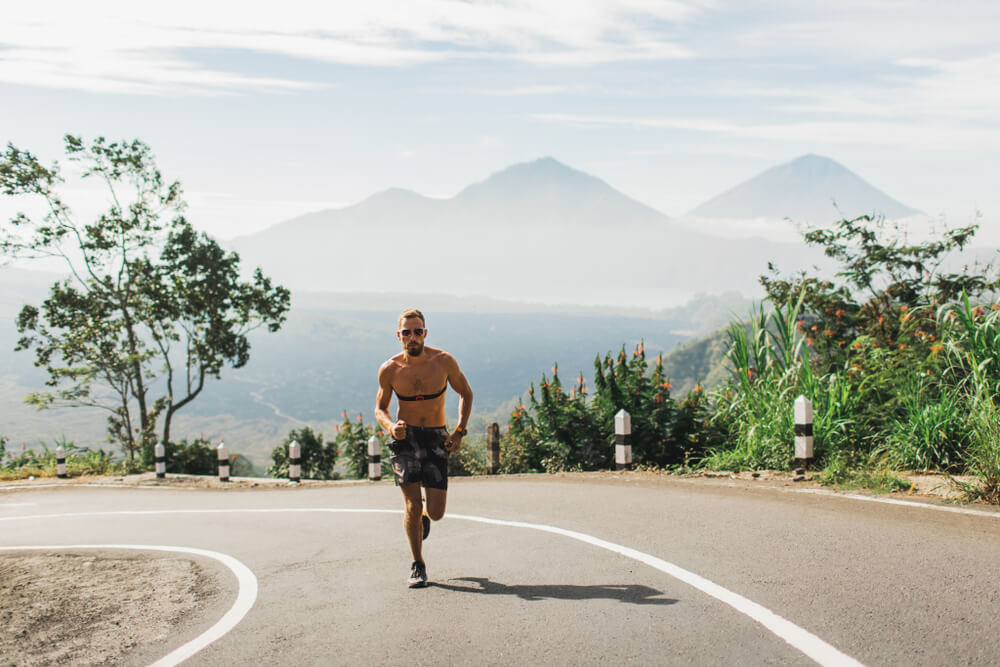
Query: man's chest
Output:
(426,379)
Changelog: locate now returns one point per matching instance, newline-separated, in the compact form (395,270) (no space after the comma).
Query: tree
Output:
(152,308)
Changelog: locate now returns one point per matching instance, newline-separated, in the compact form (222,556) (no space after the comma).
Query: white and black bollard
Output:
(493,445)
(374,459)
(223,463)
(623,440)
(160,459)
(294,461)
(803,430)
(61,463)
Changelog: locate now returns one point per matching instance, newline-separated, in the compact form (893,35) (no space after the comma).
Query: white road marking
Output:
(799,638)
(245,598)
(904,503)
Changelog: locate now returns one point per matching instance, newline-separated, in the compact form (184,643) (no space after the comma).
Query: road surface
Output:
(572,570)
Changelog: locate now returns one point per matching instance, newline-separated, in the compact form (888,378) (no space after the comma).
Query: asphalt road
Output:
(877,583)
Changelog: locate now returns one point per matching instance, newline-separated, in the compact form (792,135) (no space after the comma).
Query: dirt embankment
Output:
(92,608)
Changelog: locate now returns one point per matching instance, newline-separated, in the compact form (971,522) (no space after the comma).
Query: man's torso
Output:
(415,386)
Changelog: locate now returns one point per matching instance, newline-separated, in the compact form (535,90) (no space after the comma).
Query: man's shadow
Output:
(629,593)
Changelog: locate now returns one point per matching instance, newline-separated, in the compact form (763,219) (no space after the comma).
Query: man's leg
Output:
(436,501)
(411,519)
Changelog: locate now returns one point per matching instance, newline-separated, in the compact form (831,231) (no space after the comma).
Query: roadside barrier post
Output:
(61,463)
(294,461)
(223,463)
(493,446)
(803,430)
(623,440)
(374,459)
(160,459)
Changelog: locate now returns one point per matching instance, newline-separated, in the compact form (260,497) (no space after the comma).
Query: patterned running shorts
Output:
(421,457)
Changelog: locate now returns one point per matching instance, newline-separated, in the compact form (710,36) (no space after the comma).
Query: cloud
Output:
(117,46)
(928,135)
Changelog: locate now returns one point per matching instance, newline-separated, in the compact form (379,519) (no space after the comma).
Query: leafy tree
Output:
(887,291)
(318,458)
(151,309)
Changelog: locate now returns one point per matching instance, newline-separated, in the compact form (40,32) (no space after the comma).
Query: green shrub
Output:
(195,458)
(318,459)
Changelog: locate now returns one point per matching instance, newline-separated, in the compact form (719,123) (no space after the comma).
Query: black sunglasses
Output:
(415,332)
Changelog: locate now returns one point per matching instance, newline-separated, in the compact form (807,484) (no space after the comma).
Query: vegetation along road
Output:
(573,569)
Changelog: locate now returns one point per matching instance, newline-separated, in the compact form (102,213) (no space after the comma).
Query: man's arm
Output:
(458,382)
(396,428)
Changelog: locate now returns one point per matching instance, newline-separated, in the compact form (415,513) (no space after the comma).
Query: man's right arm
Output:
(382,400)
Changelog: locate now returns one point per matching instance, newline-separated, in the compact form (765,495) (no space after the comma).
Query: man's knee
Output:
(435,513)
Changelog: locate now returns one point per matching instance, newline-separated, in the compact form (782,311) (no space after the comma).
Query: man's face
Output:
(412,334)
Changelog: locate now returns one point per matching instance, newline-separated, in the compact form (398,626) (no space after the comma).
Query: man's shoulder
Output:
(391,363)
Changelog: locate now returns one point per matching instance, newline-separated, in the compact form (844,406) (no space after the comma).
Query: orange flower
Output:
(839,313)
(827,332)
(666,385)
(936,348)
(903,309)
(856,346)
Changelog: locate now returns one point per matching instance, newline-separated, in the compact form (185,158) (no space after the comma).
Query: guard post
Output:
(160,459)
(61,463)
(803,431)
(223,462)
(623,440)
(294,462)
(374,459)
(493,447)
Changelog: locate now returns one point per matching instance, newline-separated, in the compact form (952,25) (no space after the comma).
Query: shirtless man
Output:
(420,375)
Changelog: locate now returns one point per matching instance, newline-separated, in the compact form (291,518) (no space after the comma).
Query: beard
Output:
(414,349)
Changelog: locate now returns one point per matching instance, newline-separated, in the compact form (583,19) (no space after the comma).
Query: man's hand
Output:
(398,430)
(454,442)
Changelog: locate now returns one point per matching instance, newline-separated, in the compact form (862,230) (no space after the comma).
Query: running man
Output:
(420,375)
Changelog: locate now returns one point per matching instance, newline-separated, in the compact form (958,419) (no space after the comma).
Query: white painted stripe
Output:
(799,638)
(903,503)
(245,597)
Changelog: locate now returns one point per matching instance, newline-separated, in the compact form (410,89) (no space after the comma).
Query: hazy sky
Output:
(269,110)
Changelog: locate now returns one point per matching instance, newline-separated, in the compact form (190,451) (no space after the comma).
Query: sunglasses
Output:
(414,332)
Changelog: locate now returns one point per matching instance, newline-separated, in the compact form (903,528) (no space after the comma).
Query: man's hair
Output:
(411,312)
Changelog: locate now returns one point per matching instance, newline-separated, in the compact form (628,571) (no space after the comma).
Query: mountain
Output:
(539,231)
(811,189)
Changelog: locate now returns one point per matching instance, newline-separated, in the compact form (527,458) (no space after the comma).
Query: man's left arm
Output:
(458,382)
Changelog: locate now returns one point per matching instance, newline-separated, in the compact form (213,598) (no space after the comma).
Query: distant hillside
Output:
(700,360)
(538,231)
(811,189)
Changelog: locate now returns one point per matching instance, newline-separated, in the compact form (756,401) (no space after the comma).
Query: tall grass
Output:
(972,336)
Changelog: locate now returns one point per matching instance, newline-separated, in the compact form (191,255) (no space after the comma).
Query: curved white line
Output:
(799,638)
(245,598)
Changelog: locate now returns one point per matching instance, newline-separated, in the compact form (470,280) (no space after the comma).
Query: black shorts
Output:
(421,457)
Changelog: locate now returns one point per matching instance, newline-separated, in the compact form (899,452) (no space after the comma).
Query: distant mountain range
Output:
(538,231)
(811,188)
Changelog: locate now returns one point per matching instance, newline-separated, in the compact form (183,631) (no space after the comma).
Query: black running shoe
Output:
(427,525)
(418,575)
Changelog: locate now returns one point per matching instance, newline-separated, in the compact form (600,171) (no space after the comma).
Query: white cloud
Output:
(923,135)
(114,46)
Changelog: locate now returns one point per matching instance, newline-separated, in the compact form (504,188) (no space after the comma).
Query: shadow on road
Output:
(633,594)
